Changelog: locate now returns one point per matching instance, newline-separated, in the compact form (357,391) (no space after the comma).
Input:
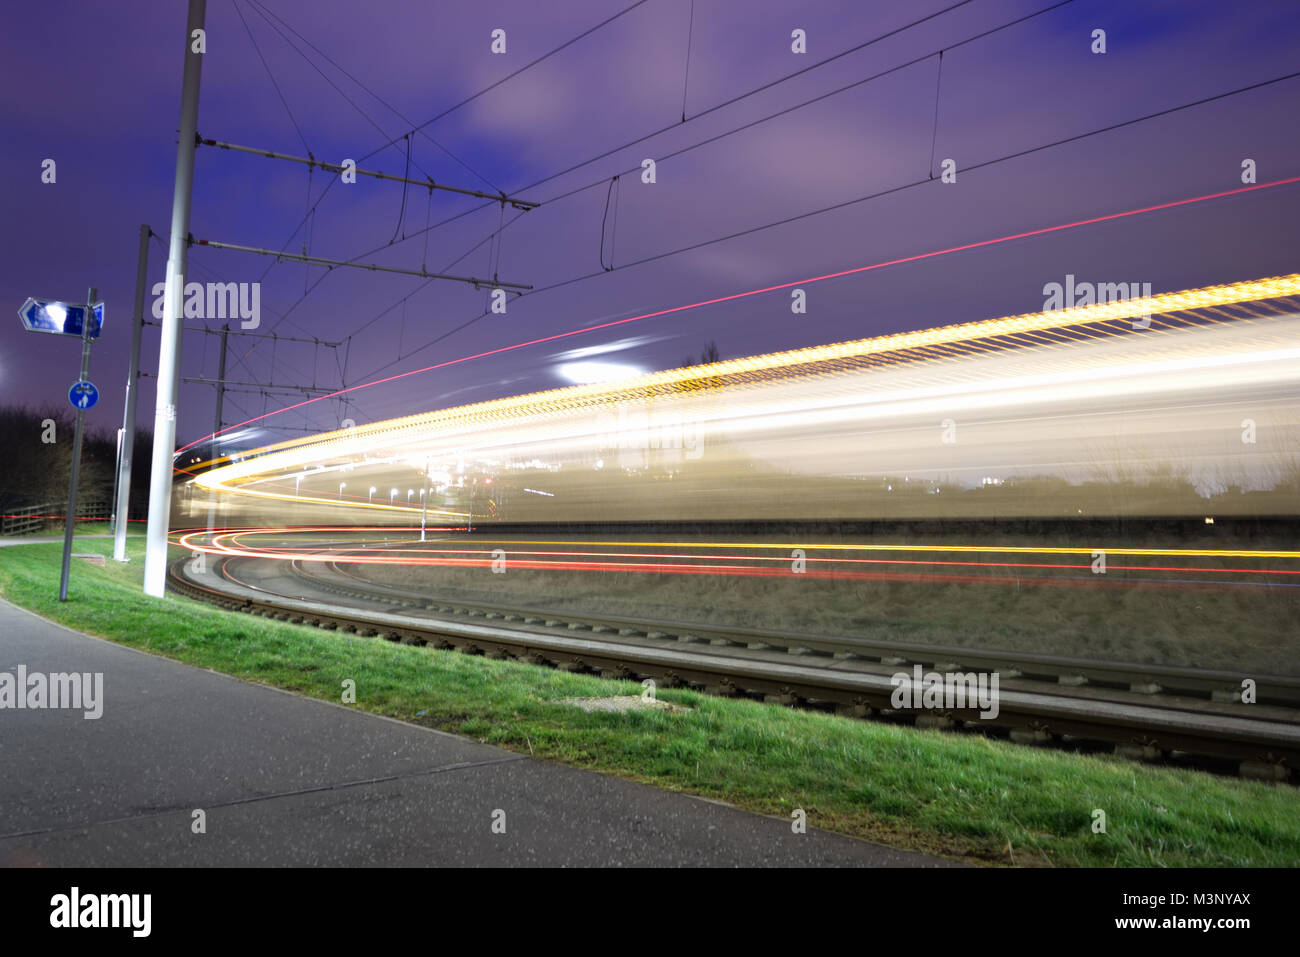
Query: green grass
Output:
(957,795)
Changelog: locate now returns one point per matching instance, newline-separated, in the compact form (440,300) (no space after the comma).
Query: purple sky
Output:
(97,88)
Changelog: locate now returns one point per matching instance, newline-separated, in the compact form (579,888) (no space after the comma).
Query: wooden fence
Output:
(37,518)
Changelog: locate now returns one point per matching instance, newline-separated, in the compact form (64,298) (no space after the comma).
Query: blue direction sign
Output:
(61,318)
(83,395)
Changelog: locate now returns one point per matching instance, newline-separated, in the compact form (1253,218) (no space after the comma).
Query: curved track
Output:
(1153,712)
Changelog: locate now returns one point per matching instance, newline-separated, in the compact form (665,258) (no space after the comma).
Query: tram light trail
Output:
(1051,412)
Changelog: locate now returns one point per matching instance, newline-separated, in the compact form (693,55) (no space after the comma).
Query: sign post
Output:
(85,322)
(61,318)
(83,395)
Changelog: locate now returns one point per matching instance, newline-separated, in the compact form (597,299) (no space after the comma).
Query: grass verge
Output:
(956,795)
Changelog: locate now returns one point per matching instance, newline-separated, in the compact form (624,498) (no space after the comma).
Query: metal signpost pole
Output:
(76,447)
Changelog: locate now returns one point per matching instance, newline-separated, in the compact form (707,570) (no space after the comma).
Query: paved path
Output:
(287,780)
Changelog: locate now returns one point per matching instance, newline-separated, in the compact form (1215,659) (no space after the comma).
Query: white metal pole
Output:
(117,469)
(425,493)
(169,350)
(216,427)
(124,454)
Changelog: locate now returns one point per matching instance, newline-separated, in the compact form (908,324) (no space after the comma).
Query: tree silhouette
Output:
(710,354)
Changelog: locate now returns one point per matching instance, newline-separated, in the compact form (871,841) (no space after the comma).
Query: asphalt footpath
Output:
(290,781)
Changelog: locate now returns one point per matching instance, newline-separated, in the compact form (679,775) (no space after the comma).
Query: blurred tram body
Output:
(1089,412)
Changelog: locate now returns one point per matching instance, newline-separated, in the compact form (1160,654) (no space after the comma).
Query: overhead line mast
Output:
(169,352)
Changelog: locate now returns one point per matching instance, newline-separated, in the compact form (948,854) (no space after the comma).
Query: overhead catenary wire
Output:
(267,67)
(913,258)
(306,246)
(194,263)
(242,360)
(267,13)
(786,285)
(383,312)
(783,79)
(497,238)
(299,301)
(366,116)
(738,98)
(613,239)
(757,121)
(686,80)
(934,134)
(973,167)
(905,186)
(341,168)
(891,190)
(428,210)
(207,330)
(528,66)
(910,185)
(231,383)
(605,216)
(735,99)
(355,106)
(430,184)
(768,117)
(545,56)
(401,216)
(371,267)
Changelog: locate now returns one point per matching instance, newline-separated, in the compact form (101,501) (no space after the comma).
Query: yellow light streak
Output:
(293,455)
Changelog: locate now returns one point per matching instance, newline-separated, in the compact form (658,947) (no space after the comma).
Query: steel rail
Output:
(1147,679)
(1267,748)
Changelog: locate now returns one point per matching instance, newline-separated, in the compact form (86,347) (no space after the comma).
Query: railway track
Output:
(1151,712)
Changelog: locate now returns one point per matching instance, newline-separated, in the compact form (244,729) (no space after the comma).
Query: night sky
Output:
(96,87)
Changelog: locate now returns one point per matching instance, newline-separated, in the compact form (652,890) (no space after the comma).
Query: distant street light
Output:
(297,486)
(392,495)
(342,486)
(372,493)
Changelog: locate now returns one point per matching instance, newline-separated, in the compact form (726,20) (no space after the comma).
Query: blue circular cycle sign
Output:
(83,395)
